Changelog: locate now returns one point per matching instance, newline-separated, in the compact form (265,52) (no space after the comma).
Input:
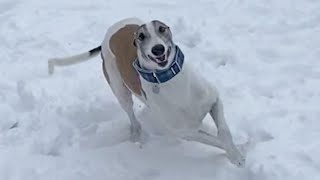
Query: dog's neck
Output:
(161,76)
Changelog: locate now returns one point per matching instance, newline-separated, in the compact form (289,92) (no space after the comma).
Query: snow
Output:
(263,56)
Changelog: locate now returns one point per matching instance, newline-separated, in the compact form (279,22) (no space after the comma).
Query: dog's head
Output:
(155,47)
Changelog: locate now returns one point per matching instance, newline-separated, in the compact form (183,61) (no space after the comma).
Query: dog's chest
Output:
(181,102)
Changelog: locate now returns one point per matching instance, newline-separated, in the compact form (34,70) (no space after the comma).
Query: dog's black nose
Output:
(158,50)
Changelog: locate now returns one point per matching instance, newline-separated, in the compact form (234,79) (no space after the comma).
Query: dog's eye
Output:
(162,29)
(141,37)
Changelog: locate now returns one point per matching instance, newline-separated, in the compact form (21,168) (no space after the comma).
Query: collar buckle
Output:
(156,77)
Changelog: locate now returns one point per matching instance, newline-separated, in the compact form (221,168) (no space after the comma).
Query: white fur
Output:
(182,102)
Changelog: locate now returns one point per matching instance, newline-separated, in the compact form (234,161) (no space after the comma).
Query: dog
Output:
(142,59)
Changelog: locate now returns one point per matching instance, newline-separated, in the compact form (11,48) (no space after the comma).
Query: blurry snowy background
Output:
(263,56)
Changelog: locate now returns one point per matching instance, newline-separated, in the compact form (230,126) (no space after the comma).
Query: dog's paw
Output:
(236,158)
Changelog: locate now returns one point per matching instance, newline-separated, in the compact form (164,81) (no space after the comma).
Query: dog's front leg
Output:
(224,134)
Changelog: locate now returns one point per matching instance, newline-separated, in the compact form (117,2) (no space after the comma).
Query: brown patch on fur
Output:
(121,45)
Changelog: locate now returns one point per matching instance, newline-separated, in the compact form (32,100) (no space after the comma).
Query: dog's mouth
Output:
(161,60)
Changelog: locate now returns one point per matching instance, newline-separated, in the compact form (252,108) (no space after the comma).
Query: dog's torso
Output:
(182,102)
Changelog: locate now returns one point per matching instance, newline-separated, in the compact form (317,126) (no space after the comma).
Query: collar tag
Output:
(156,89)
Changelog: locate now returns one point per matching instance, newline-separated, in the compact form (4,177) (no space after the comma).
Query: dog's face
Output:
(155,48)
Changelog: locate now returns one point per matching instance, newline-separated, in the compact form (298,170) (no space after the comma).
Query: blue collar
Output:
(162,75)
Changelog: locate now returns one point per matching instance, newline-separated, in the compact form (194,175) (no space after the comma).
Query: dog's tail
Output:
(72,59)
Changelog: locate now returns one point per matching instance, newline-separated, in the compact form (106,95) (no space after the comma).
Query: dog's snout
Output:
(158,50)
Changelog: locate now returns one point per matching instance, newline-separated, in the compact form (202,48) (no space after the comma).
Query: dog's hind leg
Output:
(224,134)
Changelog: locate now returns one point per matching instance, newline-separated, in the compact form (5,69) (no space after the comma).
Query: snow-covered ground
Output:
(263,56)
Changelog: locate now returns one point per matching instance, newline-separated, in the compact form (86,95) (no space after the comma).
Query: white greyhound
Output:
(143,60)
